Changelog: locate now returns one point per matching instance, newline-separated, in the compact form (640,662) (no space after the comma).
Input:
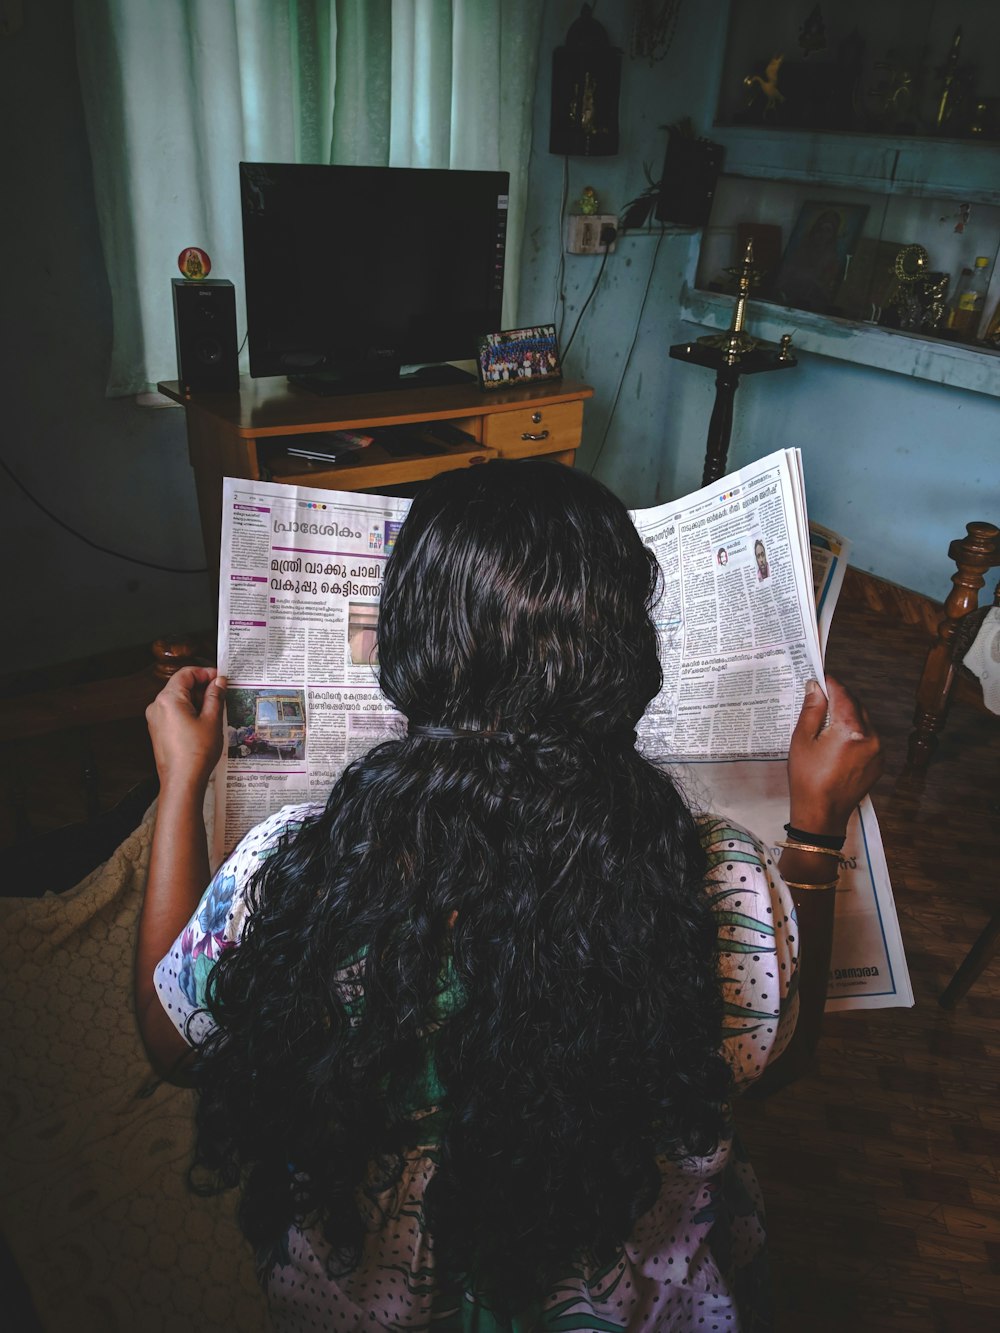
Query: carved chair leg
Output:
(973,555)
(975,962)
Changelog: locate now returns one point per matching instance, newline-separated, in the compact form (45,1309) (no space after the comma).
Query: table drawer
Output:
(543,429)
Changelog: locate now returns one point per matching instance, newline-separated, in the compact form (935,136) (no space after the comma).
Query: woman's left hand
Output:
(185,725)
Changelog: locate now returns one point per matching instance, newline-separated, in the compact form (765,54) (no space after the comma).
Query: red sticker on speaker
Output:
(194,264)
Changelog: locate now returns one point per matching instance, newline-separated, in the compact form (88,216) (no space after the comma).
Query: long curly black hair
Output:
(585,1016)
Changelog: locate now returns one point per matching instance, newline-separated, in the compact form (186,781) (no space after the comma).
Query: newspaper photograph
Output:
(743,577)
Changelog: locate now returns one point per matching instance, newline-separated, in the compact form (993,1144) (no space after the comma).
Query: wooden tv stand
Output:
(244,434)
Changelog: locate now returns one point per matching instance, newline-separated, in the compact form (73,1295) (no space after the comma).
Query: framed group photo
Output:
(515,356)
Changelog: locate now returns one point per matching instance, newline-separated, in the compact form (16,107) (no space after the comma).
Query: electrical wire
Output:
(559,305)
(583,308)
(628,358)
(105,550)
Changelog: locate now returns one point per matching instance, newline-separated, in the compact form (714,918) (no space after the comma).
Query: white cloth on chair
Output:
(94,1202)
(983,659)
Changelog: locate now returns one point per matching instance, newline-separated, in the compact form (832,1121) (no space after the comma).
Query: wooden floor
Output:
(882,1170)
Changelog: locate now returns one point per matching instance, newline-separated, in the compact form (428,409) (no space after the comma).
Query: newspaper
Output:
(749,591)
(300,579)
(299,585)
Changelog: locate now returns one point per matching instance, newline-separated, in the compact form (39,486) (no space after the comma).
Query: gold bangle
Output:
(830,884)
(792,845)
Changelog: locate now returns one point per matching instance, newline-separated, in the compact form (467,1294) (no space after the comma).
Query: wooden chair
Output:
(973,555)
(55,859)
(91,1138)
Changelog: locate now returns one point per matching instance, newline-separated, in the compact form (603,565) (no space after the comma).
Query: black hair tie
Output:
(427,732)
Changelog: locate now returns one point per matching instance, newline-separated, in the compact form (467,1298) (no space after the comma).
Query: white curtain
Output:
(177,92)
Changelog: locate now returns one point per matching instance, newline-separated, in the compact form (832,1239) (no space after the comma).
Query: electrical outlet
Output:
(584,230)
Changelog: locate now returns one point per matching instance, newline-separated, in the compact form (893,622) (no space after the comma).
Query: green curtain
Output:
(177,92)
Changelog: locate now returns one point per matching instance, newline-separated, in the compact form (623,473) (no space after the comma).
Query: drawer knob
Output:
(541,435)
(536,417)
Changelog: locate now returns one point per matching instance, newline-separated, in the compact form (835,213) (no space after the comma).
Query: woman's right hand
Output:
(833,761)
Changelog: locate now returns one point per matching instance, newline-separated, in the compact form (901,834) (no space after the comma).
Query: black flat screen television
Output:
(354,272)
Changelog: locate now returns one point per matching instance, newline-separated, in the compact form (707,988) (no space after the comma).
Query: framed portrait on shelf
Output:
(515,356)
(822,242)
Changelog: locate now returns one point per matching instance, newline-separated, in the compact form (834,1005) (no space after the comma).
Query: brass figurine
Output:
(768,84)
(935,292)
(917,300)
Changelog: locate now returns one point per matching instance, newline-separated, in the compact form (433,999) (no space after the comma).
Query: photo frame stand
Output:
(517,356)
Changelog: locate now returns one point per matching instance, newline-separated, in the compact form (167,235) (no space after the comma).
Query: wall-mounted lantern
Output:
(586,81)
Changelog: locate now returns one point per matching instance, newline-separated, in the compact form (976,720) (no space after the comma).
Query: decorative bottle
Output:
(970,299)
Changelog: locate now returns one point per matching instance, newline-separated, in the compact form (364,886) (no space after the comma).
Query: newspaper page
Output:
(299,589)
(749,590)
(738,636)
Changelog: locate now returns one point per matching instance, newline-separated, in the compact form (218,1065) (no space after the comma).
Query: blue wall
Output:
(898,465)
(117,472)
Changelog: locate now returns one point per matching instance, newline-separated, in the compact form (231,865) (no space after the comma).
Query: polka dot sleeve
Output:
(181,978)
(758,948)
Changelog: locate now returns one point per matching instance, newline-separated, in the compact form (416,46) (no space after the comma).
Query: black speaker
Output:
(690,173)
(205,329)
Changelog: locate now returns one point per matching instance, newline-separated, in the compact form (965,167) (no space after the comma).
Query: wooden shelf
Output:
(888,167)
(373,467)
(962,169)
(957,364)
